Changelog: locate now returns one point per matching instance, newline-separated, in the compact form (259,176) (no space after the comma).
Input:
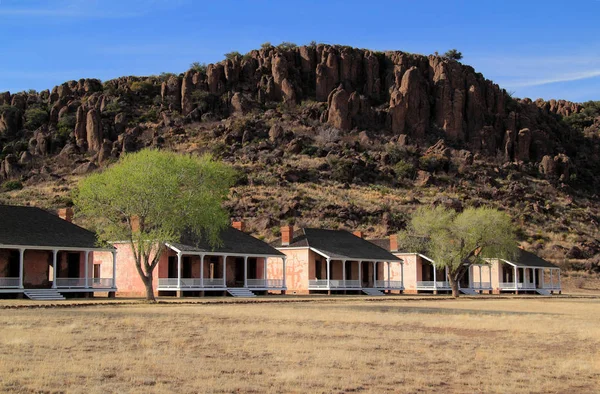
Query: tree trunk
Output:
(454,286)
(149,288)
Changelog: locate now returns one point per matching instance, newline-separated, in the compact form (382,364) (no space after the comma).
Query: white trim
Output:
(50,248)
(205,253)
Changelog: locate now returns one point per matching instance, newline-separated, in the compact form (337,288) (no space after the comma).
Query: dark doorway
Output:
(96,270)
(365,272)
(464,281)
(172,271)
(73,268)
(12,270)
(252,268)
(239,271)
(318,269)
(186,267)
(507,273)
(348,270)
(427,272)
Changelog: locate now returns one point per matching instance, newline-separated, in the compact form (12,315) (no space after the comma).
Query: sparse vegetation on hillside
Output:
(453,54)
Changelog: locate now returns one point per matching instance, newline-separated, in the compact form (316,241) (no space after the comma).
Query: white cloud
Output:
(554,79)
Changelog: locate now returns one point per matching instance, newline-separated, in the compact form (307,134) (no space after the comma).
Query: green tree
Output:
(35,117)
(199,67)
(458,240)
(453,54)
(166,193)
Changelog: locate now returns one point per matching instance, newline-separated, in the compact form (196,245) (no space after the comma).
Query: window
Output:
(318,269)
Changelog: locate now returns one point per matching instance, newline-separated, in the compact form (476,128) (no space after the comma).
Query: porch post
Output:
(542,279)
(374,273)
(434,277)
(179,270)
(490,272)
(54,266)
(114,256)
(328,278)
(266,273)
(534,281)
(558,269)
(402,272)
(480,277)
(389,275)
(246,270)
(86,268)
(360,274)
(516,272)
(344,273)
(202,270)
(446,274)
(471,272)
(284,271)
(21,255)
(224,271)
(551,278)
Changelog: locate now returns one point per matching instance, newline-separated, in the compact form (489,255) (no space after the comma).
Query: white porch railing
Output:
(315,284)
(427,284)
(513,285)
(71,282)
(481,286)
(10,282)
(318,283)
(265,283)
(214,282)
(101,283)
(389,284)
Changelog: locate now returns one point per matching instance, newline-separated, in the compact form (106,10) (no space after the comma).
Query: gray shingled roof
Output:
(233,241)
(339,245)
(30,226)
(528,259)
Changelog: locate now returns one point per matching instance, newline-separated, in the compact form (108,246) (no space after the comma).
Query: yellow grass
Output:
(504,345)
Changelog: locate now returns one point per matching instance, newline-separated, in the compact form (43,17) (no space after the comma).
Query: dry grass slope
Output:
(517,346)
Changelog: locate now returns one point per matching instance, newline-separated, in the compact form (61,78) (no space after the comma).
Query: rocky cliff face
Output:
(422,98)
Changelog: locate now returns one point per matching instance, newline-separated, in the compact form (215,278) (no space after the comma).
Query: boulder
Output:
(85,168)
(81,128)
(338,114)
(93,130)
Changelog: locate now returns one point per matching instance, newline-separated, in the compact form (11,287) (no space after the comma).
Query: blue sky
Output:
(548,49)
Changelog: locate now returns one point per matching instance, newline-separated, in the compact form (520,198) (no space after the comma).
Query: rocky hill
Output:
(327,135)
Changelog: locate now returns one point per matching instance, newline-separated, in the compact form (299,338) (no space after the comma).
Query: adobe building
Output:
(44,256)
(242,266)
(336,261)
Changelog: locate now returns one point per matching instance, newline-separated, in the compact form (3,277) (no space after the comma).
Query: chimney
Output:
(358,233)
(287,235)
(66,214)
(239,225)
(135,224)
(393,243)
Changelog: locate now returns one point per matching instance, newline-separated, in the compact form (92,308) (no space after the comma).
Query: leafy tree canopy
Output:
(458,240)
(453,54)
(166,193)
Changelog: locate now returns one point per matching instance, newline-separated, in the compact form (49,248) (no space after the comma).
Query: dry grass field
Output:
(346,345)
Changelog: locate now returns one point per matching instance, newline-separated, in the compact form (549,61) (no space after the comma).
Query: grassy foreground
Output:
(504,345)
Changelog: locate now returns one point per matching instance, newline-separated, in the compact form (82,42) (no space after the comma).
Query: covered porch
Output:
(431,278)
(68,270)
(517,278)
(478,279)
(354,275)
(193,271)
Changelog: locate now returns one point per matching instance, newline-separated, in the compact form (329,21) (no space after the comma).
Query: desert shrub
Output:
(232,55)
(165,75)
(145,88)
(328,135)
(341,169)
(313,44)
(433,163)
(453,54)
(35,117)
(149,116)
(65,126)
(199,67)
(404,169)
(12,185)
(287,45)
(266,45)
